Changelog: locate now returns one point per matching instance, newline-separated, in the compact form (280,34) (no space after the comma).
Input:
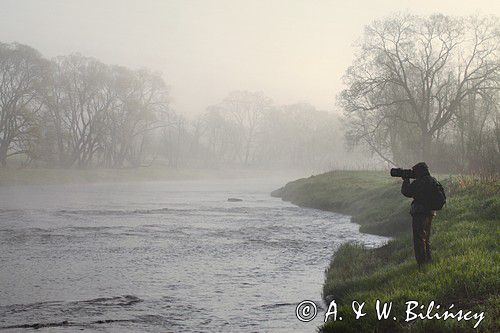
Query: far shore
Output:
(46,176)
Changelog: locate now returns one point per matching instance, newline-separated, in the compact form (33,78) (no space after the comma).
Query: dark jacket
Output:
(416,190)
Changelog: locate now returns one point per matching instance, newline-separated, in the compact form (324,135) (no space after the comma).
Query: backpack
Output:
(435,197)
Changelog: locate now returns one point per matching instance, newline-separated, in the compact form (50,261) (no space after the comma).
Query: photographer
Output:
(421,214)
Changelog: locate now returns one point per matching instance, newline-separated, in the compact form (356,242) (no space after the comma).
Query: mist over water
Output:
(173,256)
(131,96)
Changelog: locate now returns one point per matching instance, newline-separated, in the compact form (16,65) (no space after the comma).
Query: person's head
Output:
(421,169)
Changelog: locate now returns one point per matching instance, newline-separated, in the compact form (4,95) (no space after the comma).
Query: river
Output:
(171,256)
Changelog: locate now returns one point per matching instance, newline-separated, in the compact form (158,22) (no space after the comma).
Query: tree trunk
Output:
(3,155)
(425,155)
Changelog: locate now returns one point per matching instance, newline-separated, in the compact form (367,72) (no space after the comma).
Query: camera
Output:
(403,173)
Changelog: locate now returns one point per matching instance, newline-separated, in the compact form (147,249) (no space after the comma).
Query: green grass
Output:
(465,241)
(373,198)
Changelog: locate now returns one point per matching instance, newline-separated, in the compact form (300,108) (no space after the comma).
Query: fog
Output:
(294,51)
(250,84)
(145,145)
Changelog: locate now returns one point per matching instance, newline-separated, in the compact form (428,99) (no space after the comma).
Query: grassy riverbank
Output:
(465,269)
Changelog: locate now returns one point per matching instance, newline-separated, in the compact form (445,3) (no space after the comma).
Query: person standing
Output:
(421,214)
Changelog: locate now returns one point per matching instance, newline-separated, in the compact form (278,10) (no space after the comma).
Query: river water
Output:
(171,256)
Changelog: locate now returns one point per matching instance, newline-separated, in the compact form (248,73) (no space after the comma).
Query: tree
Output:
(299,135)
(141,107)
(246,110)
(21,73)
(102,115)
(411,76)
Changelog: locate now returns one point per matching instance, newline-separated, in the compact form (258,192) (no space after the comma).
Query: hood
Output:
(421,169)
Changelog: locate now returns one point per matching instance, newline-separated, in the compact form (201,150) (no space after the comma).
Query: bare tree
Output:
(222,136)
(79,100)
(141,106)
(102,115)
(414,72)
(246,110)
(21,73)
(300,136)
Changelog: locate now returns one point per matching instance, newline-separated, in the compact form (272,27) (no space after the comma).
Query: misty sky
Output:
(291,50)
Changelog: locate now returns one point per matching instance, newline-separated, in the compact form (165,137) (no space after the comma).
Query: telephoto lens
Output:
(402,173)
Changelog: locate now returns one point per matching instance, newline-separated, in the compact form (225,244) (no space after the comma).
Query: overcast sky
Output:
(292,50)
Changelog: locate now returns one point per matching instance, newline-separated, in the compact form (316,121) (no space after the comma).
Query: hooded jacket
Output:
(417,190)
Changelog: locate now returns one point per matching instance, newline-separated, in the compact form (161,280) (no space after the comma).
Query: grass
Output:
(373,198)
(465,241)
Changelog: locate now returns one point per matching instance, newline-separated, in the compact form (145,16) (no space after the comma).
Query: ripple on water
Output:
(159,256)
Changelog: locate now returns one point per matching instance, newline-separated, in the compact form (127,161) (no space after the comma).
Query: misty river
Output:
(172,256)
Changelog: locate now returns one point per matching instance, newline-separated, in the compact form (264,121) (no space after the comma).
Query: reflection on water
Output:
(166,256)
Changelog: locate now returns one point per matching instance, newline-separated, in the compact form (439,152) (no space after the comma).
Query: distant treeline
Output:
(428,88)
(419,88)
(74,111)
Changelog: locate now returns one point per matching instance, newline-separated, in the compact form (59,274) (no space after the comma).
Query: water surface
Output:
(163,256)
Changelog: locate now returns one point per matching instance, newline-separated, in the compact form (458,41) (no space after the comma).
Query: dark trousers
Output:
(421,225)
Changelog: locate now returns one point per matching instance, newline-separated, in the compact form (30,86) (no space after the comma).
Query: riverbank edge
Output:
(465,249)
